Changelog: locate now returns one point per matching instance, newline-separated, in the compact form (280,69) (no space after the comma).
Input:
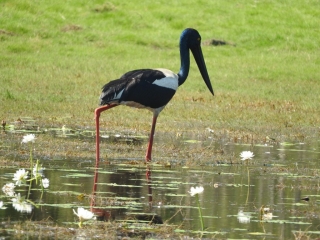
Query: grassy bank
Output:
(55,56)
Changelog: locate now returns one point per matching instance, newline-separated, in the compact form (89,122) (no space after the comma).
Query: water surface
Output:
(278,177)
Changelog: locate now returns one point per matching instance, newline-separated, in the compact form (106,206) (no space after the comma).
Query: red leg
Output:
(97,116)
(149,149)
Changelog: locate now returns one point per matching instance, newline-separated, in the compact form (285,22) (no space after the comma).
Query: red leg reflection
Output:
(149,181)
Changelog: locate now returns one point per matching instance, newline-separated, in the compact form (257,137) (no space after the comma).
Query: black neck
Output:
(185,62)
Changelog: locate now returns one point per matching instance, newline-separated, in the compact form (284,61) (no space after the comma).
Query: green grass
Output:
(56,55)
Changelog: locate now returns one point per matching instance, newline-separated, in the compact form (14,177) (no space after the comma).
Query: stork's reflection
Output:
(128,185)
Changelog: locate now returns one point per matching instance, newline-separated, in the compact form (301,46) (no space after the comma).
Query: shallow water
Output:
(278,177)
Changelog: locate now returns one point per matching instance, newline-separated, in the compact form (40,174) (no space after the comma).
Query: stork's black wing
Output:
(115,91)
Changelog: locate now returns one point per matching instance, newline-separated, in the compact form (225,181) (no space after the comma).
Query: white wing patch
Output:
(170,81)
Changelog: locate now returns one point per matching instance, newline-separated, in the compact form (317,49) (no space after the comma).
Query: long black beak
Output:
(198,56)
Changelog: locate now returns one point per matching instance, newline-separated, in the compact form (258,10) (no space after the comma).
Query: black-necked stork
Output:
(152,88)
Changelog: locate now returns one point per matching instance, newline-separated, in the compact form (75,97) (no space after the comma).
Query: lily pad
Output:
(260,234)
(59,205)
(175,195)
(77,175)
(119,185)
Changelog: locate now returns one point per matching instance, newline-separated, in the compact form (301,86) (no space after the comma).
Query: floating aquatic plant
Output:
(28,138)
(265,213)
(8,189)
(38,171)
(45,182)
(243,217)
(246,155)
(83,215)
(21,177)
(195,192)
(21,205)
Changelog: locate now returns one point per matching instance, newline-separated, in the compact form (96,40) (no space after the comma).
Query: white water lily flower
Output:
(197,190)
(8,189)
(37,171)
(246,155)
(20,176)
(1,204)
(243,217)
(28,138)
(83,214)
(267,216)
(266,210)
(45,182)
(21,205)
